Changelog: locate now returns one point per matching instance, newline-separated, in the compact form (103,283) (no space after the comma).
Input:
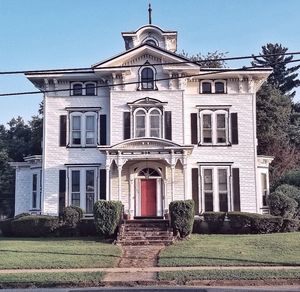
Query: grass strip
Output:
(234,250)
(182,276)
(50,279)
(47,253)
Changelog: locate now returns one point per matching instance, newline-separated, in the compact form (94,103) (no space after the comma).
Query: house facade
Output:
(146,127)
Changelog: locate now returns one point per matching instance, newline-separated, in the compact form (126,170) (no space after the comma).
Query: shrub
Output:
(293,193)
(87,227)
(282,205)
(291,178)
(290,225)
(240,222)
(182,217)
(21,215)
(200,226)
(5,227)
(71,215)
(265,223)
(34,226)
(107,216)
(215,221)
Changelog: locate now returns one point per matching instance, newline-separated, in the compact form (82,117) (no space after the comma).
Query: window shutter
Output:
(62,191)
(102,184)
(102,130)
(168,125)
(194,128)
(63,130)
(234,129)
(195,189)
(236,189)
(126,121)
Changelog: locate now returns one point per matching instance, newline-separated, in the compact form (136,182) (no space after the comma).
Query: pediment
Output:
(145,52)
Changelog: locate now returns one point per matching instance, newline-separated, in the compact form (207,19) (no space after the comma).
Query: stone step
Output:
(144,229)
(147,233)
(131,238)
(145,242)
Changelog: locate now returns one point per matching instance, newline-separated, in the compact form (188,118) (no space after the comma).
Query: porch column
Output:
(185,176)
(108,193)
(172,181)
(119,182)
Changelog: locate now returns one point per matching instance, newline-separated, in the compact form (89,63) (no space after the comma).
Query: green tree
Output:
(283,77)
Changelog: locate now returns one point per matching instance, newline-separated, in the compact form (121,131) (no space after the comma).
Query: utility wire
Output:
(92,69)
(213,72)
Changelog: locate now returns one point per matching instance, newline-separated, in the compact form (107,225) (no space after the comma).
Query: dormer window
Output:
(77,89)
(147,78)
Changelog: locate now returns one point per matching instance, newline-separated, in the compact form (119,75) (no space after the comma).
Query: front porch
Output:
(146,175)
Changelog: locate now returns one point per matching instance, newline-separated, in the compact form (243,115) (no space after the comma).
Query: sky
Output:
(41,34)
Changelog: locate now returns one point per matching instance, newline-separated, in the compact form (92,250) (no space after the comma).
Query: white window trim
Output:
(214,114)
(83,128)
(82,190)
(147,122)
(215,182)
(213,88)
(38,173)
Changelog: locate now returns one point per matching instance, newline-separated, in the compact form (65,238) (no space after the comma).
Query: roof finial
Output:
(150,13)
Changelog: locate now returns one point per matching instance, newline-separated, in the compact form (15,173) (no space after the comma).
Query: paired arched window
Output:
(147,124)
(81,88)
(209,86)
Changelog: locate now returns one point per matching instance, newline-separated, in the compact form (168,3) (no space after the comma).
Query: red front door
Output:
(148,197)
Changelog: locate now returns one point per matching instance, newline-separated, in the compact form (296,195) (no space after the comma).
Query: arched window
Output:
(219,87)
(140,123)
(206,87)
(77,89)
(90,89)
(147,78)
(155,123)
(151,42)
(148,172)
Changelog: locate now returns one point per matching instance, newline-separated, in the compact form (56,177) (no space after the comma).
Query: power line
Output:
(92,70)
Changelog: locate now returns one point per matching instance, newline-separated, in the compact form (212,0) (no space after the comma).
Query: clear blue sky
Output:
(37,34)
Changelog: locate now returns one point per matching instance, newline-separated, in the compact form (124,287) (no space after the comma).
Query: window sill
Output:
(214,145)
(80,147)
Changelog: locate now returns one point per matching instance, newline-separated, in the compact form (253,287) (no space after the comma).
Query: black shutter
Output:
(195,189)
(234,129)
(102,184)
(62,191)
(194,128)
(102,130)
(236,189)
(126,121)
(168,125)
(63,130)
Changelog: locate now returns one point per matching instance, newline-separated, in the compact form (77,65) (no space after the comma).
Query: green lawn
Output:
(50,279)
(182,276)
(56,253)
(230,250)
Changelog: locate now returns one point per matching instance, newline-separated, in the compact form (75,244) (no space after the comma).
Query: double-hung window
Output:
(83,129)
(36,189)
(147,124)
(214,127)
(83,188)
(215,186)
(147,78)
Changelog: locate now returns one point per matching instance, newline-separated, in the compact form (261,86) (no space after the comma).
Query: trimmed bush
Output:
(215,221)
(266,223)
(293,193)
(282,205)
(71,215)
(240,222)
(290,225)
(5,227)
(87,227)
(34,226)
(107,216)
(182,217)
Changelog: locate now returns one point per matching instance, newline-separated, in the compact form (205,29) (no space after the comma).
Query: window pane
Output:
(90,198)
(207,136)
(206,121)
(75,181)
(76,122)
(206,87)
(208,202)
(154,133)
(90,180)
(34,182)
(219,87)
(76,137)
(77,89)
(264,189)
(208,183)
(147,78)
(75,199)
(154,121)
(221,136)
(140,133)
(222,176)
(90,89)
(223,200)
(140,121)
(221,121)
(90,123)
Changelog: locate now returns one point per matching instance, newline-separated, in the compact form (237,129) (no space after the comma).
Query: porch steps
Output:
(145,232)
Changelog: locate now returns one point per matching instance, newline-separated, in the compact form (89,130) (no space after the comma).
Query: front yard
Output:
(234,250)
(43,253)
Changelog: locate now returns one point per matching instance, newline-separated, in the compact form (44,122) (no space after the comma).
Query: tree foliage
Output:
(283,77)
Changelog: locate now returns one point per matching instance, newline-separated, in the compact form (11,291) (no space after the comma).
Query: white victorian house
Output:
(146,127)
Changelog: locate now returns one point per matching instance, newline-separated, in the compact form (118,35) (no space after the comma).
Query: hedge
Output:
(34,226)
(282,205)
(107,216)
(182,217)
(214,220)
